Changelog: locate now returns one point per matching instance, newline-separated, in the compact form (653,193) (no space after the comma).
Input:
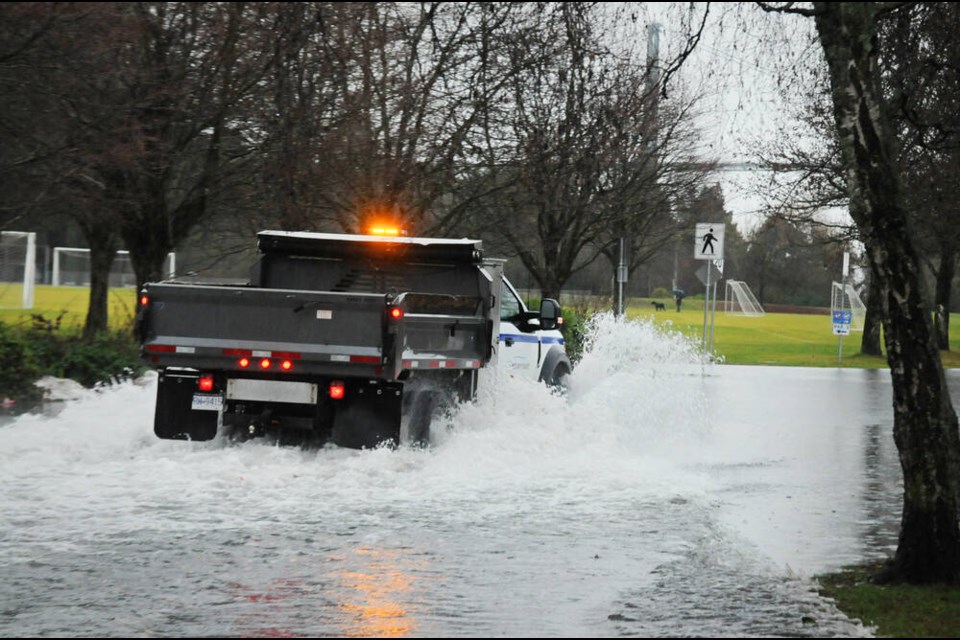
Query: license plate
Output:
(206,402)
(272,391)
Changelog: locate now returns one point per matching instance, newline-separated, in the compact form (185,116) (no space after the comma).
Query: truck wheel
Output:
(558,379)
(423,406)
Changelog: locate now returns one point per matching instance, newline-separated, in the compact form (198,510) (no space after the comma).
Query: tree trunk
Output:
(103,249)
(925,425)
(948,267)
(870,343)
(551,288)
(147,261)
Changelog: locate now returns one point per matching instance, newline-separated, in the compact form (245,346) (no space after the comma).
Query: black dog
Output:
(659,306)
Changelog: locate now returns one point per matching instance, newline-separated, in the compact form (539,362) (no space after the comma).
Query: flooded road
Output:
(660,497)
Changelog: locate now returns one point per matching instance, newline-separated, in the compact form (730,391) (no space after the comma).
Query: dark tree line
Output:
(141,121)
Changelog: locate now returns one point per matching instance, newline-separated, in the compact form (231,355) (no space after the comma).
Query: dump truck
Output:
(355,340)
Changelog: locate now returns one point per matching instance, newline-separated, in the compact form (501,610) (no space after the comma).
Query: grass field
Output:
(783,339)
(68,303)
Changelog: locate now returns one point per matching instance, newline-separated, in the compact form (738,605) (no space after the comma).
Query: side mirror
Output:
(549,314)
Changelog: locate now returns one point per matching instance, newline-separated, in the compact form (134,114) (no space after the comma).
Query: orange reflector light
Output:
(265,363)
(337,390)
(205,383)
(384,231)
(286,365)
(243,362)
(396,313)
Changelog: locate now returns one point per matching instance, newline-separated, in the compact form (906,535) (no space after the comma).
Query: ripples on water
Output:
(640,504)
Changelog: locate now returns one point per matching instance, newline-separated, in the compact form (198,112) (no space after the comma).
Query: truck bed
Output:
(319,332)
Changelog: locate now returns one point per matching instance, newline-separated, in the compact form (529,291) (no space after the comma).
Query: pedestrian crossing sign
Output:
(708,244)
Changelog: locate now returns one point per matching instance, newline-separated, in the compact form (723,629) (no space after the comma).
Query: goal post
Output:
(846,298)
(71,268)
(18,269)
(739,299)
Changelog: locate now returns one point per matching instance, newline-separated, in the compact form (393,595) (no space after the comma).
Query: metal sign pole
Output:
(706,306)
(621,277)
(843,299)
(713,314)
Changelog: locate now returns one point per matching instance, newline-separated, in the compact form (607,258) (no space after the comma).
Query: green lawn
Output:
(68,303)
(773,339)
(785,339)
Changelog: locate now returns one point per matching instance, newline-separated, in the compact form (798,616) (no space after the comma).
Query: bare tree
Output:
(925,424)
(371,105)
(139,130)
(578,154)
(806,179)
(186,69)
(920,82)
(57,128)
(921,71)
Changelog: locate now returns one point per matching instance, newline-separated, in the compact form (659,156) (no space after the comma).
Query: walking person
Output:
(708,239)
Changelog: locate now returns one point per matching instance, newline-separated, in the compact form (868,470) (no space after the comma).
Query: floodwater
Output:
(661,497)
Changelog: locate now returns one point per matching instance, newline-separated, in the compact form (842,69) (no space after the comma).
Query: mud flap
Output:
(428,397)
(175,419)
(368,417)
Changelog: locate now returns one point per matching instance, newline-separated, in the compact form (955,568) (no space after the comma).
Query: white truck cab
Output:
(530,342)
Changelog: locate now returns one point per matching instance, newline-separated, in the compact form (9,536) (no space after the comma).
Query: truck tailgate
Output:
(196,325)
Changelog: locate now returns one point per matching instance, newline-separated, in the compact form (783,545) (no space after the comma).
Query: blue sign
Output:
(841,322)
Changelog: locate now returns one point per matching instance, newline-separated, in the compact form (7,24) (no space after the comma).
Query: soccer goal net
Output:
(18,266)
(846,298)
(71,268)
(738,298)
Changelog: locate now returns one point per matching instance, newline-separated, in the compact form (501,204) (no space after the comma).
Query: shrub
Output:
(46,348)
(574,328)
(17,372)
(110,357)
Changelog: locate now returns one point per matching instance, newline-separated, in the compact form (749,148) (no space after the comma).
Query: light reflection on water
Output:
(382,590)
(661,498)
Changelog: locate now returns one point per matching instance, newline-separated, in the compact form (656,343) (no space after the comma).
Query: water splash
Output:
(532,513)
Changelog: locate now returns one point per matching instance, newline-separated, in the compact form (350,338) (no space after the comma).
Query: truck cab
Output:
(530,342)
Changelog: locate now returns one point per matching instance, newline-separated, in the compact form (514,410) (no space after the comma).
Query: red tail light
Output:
(286,365)
(265,363)
(337,390)
(144,301)
(243,363)
(396,313)
(205,383)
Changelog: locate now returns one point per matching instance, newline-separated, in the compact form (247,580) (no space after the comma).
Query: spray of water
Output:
(531,512)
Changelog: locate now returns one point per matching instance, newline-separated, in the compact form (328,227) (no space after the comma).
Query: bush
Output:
(109,358)
(17,372)
(45,348)
(661,292)
(574,329)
